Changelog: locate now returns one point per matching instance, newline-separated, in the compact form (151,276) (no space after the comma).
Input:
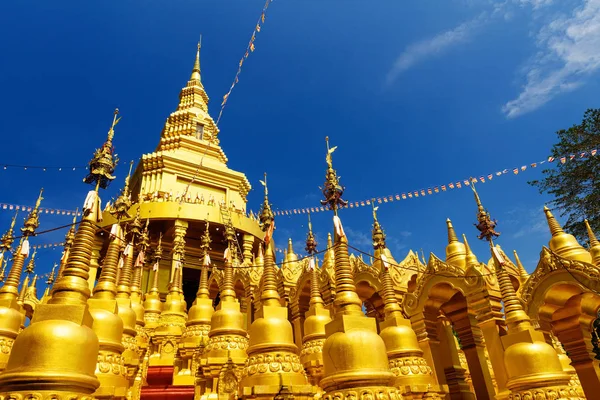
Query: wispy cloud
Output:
(568,54)
(437,45)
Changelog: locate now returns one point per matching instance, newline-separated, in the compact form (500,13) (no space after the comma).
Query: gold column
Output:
(247,247)
(197,327)
(173,316)
(228,339)
(450,360)
(316,318)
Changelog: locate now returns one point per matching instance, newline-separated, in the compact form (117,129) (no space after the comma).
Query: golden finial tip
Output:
(546,208)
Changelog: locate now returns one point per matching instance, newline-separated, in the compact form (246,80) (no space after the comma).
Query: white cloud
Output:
(424,49)
(568,53)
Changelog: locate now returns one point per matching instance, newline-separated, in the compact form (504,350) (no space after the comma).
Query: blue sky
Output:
(415,94)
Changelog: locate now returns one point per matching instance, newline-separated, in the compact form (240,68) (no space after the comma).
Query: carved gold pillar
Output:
(248,242)
(471,342)
(180,228)
(426,329)
(573,330)
(455,374)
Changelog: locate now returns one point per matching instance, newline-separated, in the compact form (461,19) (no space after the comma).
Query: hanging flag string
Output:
(6,206)
(442,188)
(249,49)
(38,167)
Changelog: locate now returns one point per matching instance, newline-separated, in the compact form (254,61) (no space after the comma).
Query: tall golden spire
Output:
(62,344)
(69,237)
(594,244)
(316,317)
(8,238)
(269,295)
(346,364)
(455,251)
(522,271)
(522,341)
(471,258)
(10,288)
(196,70)
(197,326)
(272,331)
(30,268)
(311,249)
(152,303)
(400,339)
(564,244)
(203,292)
(49,282)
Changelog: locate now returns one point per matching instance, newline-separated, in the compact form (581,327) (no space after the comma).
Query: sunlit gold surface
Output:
(455,329)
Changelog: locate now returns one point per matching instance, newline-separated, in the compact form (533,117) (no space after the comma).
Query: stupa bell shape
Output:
(272,353)
(348,368)
(564,244)
(412,375)
(455,250)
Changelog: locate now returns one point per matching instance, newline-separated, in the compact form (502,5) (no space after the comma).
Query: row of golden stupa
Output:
(149,302)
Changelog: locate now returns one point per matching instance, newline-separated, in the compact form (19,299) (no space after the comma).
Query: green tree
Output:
(575,185)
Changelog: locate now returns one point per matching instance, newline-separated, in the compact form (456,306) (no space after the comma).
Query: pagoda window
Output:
(199,131)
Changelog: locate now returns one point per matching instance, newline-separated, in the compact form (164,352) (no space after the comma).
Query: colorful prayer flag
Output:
(550,159)
(251,46)
(257,27)
(563,160)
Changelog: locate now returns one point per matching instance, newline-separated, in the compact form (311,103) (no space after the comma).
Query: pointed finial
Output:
(477,200)
(451,233)
(205,242)
(290,248)
(24,288)
(266,217)
(8,238)
(592,237)
(332,190)
(29,269)
(522,271)
(377,233)
(555,228)
(111,131)
(103,163)
(471,258)
(32,222)
(485,224)
(196,70)
(3,270)
(50,279)
(311,243)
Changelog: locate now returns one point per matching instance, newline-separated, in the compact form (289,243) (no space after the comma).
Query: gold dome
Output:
(564,244)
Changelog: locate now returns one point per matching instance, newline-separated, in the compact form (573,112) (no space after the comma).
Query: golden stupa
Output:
(174,292)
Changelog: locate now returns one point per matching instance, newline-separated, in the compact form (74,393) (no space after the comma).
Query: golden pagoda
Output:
(149,303)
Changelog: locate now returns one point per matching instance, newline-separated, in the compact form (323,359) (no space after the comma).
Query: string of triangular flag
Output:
(249,49)
(17,207)
(458,184)
(38,167)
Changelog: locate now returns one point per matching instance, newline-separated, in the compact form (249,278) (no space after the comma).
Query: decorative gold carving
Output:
(227,342)
(312,346)
(410,366)
(111,363)
(45,395)
(6,345)
(546,393)
(272,362)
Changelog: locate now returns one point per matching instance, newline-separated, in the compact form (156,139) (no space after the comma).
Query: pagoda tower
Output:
(182,185)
